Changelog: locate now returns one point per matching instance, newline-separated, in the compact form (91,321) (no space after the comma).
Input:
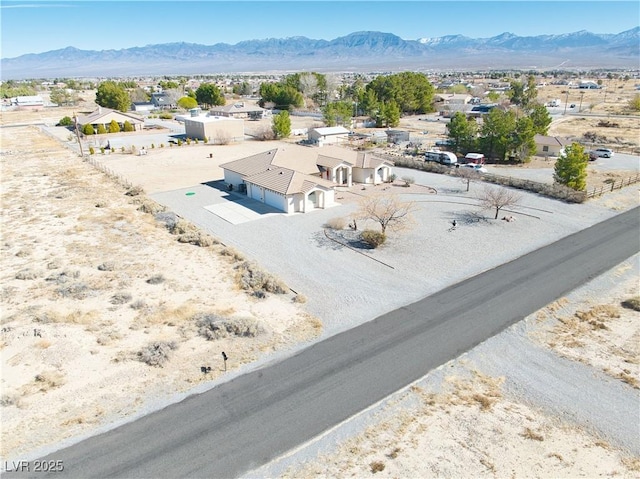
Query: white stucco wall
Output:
(233,178)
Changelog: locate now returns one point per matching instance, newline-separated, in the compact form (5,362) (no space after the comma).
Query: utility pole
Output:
(566,100)
(75,120)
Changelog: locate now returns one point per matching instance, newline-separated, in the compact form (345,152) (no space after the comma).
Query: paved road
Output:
(245,423)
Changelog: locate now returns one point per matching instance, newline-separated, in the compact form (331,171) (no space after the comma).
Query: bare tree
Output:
(467,175)
(308,84)
(498,198)
(386,210)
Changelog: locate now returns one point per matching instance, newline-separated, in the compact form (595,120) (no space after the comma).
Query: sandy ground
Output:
(78,308)
(89,283)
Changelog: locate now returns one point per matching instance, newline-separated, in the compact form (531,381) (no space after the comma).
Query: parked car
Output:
(474,167)
(602,152)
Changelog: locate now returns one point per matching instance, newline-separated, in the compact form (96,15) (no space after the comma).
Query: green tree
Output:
(242,88)
(63,97)
(493,96)
(388,115)
(462,133)
(187,102)
(114,96)
(284,97)
(523,142)
(282,124)
(65,121)
(523,94)
(127,126)
(168,84)
(496,133)
(114,127)
(338,113)
(209,95)
(101,129)
(411,92)
(541,119)
(571,167)
(88,129)
(369,103)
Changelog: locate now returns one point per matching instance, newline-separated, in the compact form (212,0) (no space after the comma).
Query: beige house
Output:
(328,135)
(240,109)
(300,179)
(104,116)
(265,178)
(215,129)
(550,145)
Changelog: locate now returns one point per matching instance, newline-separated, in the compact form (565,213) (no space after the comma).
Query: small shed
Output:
(328,135)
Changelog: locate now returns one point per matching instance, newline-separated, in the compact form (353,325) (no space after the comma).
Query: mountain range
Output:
(359,51)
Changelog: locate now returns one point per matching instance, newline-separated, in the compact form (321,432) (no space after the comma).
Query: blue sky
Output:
(37,26)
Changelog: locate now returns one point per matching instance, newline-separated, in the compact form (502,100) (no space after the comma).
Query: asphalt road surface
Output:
(256,417)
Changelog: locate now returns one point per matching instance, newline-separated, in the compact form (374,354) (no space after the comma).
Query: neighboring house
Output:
(240,110)
(397,136)
(146,106)
(162,101)
(33,101)
(550,145)
(328,135)
(215,129)
(588,85)
(104,116)
(289,190)
(452,98)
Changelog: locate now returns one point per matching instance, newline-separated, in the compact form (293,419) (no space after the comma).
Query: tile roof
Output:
(101,112)
(287,182)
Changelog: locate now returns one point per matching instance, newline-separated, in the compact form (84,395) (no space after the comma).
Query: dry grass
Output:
(531,434)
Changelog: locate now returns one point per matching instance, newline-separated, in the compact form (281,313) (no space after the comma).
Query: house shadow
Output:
(236,202)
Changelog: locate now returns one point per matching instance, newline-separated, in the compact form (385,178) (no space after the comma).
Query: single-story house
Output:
(452,98)
(328,135)
(142,106)
(550,145)
(104,116)
(287,189)
(214,129)
(240,110)
(32,101)
(366,167)
(162,101)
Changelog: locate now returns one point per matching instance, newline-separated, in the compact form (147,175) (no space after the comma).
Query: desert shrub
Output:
(107,266)
(179,142)
(169,218)
(251,278)
(165,116)
(299,298)
(157,353)
(377,466)
(53,265)
(135,191)
(212,326)
(120,298)
(391,178)
(373,238)
(49,380)
(65,121)
(336,223)
(10,399)
(26,274)
(632,303)
(75,291)
(63,277)
(88,129)
(156,279)
(197,238)
(408,180)
(149,206)
(102,150)
(92,150)
(232,253)
(138,304)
